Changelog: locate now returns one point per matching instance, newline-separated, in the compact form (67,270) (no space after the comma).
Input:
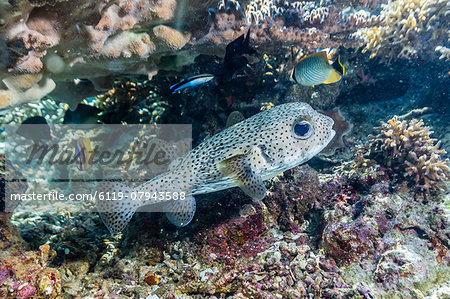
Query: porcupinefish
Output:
(315,69)
(233,61)
(243,155)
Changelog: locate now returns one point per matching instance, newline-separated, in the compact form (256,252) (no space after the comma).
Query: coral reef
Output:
(341,127)
(24,88)
(308,25)
(314,235)
(131,101)
(408,28)
(27,275)
(9,235)
(406,147)
(445,52)
(65,40)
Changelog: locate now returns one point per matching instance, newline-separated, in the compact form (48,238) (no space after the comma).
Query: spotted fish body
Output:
(242,155)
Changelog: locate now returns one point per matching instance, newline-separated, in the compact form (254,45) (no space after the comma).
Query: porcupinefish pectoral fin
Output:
(241,172)
(234,118)
(115,205)
(333,77)
(180,212)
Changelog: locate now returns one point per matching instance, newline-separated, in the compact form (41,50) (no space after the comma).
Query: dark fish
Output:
(35,128)
(233,61)
(84,114)
(315,69)
(35,120)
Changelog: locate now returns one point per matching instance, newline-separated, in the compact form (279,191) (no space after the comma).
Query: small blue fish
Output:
(191,82)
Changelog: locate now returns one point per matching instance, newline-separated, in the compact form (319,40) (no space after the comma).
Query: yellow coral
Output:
(403,22)
(171,38)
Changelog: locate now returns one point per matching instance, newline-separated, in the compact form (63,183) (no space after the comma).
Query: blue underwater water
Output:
(224,149)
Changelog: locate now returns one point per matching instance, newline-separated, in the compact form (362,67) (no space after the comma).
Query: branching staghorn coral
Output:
(406,147)
(408,27)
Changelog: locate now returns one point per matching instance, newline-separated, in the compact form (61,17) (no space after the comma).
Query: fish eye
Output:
(302,129)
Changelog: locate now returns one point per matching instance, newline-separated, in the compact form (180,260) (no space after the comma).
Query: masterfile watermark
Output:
(67,163)
(51,196)
(54,154)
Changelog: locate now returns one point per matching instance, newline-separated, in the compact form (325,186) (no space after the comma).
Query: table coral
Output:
(85,36)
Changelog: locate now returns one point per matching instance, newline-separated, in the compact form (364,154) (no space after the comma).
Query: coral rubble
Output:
(27,275)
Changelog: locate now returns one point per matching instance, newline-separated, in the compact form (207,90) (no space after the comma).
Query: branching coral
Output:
(282,24)
(408,28)
(406,147)
(308,24)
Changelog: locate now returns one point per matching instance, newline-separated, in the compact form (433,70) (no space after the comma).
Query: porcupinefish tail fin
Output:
(180,212)
(115,205)
(241,172)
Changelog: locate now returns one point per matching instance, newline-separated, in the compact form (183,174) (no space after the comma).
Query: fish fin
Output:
(180,212)
(246,45)
(333,77)
(338,66)
(241,172)
(234,118)
(292,78)
(84,153)
(233,47)
(115,210)
(174,88)
(321,54)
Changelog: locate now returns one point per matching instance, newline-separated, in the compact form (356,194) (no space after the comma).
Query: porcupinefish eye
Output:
(303,129)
